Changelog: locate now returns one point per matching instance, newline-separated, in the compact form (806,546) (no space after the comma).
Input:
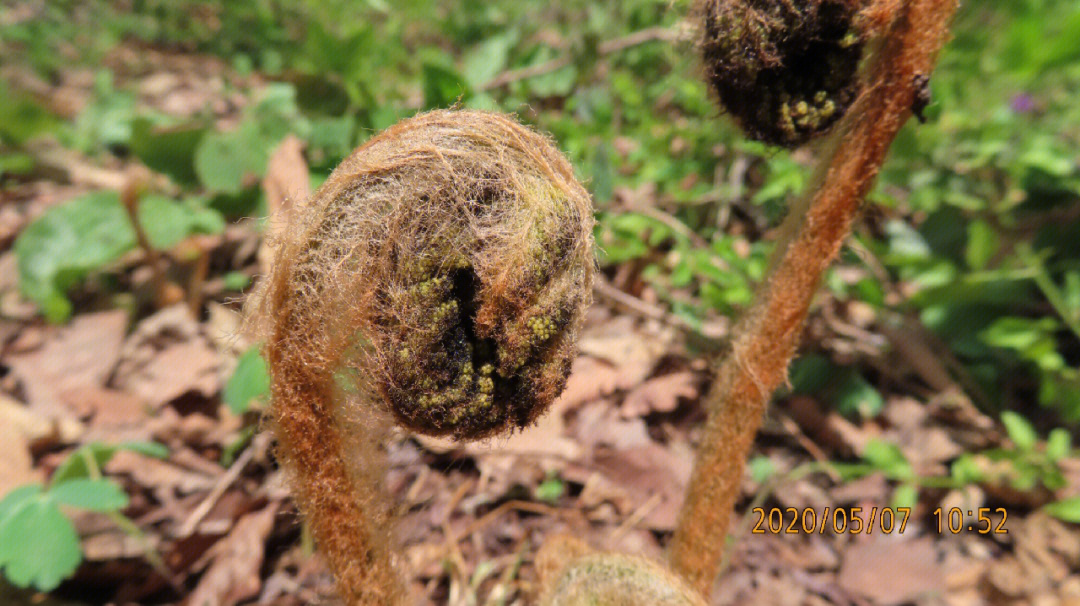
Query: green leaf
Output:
(38,545)
(1020,431)
(982,244)
(966,469)
(1058,444)
(484,61)
(21,118)
(236,280)
(443,86)
(888,458)
(550,489)
(16,163)
(167,150)
(166,222)
(74,466)
(810,374)
(761,468)
(1032,339)
(250,381)
(107,119)
(224,160)
(1067,510)
(905,495)
(93,494)
(856,396)
(66,243)
(16,498)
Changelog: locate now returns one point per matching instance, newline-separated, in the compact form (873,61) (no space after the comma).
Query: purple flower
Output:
(1022,103)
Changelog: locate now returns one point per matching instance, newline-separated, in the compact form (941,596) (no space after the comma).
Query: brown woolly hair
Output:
(439,275)
(785,69)
(574,575)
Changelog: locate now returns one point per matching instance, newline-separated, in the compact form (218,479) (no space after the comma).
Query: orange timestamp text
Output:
(841,520)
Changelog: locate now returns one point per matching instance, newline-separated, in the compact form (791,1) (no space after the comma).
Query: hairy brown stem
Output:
(767,337)
(352,531)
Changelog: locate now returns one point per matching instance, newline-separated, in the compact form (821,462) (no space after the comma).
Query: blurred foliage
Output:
(976,212)
(974,230)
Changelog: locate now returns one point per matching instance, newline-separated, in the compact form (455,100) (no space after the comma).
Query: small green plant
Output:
(249,382)
(1026,466)
(71,241)
(39,547)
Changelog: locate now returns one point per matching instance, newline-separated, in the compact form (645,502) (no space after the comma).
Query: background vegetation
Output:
(966,263)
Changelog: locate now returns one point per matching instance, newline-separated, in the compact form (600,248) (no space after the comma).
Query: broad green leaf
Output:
(166,222)
(74,466)
(38,545)
(1067,510)
(1020,431)
(107,119)
(485,60)
(16,163)
(93,494)
(331,139)
(558,83)
(17,498)
(68,242)
(22,118)
(250,381)
(810,374)
(167,150)
(223,160)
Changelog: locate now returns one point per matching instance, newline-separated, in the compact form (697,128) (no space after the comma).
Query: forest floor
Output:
(608,463)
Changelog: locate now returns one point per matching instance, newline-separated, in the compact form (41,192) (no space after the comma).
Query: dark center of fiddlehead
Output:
(785,69)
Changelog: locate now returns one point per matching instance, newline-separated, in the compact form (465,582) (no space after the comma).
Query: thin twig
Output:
(223,483)
(607,47)
(130,195)
(649,311)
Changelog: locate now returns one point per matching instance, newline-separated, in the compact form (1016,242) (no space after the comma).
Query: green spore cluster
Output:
(449,372)
(786,70)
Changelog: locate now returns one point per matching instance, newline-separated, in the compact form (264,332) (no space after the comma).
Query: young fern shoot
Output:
(437,279)
(908,35)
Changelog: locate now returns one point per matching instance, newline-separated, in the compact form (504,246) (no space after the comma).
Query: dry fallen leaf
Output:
(660,394)
(234,575)
(654,479)
(890,571)
(622,344)
(79,355)
(35,427)
(166,357)
(105,407)
(287,186)
(16,465)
